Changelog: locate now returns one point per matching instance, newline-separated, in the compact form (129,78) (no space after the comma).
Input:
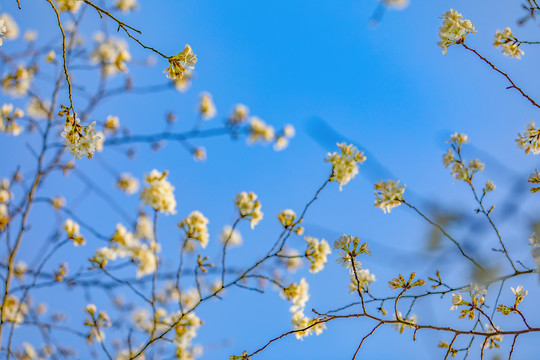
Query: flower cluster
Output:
(249,207)
(361,281)
(283,137)
(73,231)
(259,131)
(508,42)
(127,183)
(96,322)
(9,29)
(345,165)
(69,5)
(453,29)
(239,115)
(317,253)
(79,140)
(196,227)
(112,54)
(159,192)
(111,124)
(298,294)
(185,329)
(38,109)
(530,140)
(459,169)
(8,118)
(126,5)
(287,218)
(206,107)
(126,244)
(389,194)
(178,64)
(404,323)
(13,310)
(349,250)
(18,83)
(230,236)
(396,4)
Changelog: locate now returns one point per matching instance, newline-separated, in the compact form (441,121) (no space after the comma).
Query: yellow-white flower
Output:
(389,194)
(453,29)
(9,29)
(126,5)
(159,193)
(345,165)
(127,183)
(206,107)
(530,140)
(259,131)
(69,5)
(249,207)
(196,227)
(317,253)
(230,236)
(508,42)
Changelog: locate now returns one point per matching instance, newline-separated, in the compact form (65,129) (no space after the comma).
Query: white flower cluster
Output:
(38,109)
(350,248)
(508,42)
(345,165)
(96,322)
(287,218)
(453,29)
(185,329)
(206,107)
(396,4)
(459,169)
(8,118)
(361,281)
(196,228)
(126,244)
(180,63)
(73,231)
(317,253)
(159,193)
(126,5)
(112,54)
(230,236)
(283,137)
(260,131)
(249,207)
(81,140)
(530,140)
(111,124)
(18,83)
(389,194)
(9,29)
(13,310)
(127,183)
(412,319)
(239,114)
(69,5)
(298,294)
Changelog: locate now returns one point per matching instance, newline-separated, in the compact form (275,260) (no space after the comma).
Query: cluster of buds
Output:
(401,283)
(287,218)
(96,321)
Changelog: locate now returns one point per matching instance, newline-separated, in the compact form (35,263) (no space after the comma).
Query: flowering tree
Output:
(140,285)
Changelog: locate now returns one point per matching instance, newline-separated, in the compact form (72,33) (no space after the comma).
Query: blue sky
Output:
(387,88)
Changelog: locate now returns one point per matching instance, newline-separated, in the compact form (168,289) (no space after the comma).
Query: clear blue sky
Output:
(387,88)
